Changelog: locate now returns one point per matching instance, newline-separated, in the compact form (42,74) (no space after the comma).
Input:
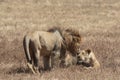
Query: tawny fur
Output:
(68,60)
(72,40)
(88,57)
(42,43)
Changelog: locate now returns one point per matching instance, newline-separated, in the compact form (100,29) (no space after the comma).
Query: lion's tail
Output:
(26,42)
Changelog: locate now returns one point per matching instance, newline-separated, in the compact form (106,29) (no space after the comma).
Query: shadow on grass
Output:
(19,70)
(22,70)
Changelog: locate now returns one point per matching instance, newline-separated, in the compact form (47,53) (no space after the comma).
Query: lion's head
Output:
(87,58)
(72,39)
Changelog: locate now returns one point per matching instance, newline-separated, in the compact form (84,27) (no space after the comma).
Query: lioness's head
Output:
(87,58)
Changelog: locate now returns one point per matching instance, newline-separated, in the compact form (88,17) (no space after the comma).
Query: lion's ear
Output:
(88,51)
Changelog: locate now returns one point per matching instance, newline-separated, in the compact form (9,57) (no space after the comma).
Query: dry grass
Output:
(97,20)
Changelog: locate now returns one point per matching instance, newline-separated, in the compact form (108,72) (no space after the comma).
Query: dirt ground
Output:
(97,20)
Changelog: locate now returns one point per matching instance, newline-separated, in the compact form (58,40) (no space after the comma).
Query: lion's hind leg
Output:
(30,66)
(36,61)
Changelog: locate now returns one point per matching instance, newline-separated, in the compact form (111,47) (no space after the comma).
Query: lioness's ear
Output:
(88,51)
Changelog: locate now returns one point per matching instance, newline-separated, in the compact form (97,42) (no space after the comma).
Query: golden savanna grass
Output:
(98,22)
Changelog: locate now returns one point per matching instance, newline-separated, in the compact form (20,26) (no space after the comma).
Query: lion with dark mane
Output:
(42,43)
(50,44)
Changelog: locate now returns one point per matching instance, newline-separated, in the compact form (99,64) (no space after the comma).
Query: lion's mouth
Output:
(79,62)
(83,63)
(86,64)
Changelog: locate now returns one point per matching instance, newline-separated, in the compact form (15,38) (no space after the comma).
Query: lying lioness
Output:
(87,58)
(84,57)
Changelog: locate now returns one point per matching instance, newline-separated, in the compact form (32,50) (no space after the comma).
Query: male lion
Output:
(42,43)
(87,58)
(50,44)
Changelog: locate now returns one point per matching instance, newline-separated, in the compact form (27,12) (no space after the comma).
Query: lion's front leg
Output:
(52,61)
(55,55)
(46,62)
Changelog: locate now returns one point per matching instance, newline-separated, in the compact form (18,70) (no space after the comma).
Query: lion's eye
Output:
(82,53)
